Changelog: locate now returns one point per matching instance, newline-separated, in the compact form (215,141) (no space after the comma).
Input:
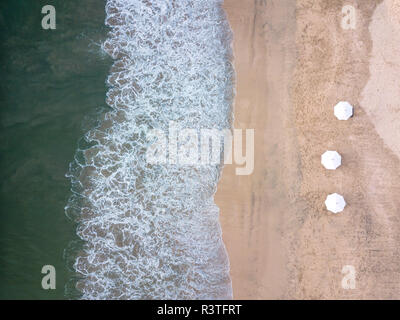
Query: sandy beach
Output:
(294,62)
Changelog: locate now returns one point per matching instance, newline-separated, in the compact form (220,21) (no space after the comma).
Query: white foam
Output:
(152,231)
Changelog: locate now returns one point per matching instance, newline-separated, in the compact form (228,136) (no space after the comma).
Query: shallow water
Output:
(152,231)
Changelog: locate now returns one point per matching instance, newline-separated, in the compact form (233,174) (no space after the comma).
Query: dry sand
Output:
(294,62)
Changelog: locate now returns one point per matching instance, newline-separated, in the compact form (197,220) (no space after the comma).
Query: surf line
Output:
(185,311)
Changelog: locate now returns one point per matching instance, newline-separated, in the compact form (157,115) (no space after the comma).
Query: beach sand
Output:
(294,62)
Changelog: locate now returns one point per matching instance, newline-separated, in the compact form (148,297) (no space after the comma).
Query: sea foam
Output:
(152,231)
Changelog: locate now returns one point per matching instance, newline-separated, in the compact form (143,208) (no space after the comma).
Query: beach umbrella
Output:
(343,110)
(331,160)
(335,203)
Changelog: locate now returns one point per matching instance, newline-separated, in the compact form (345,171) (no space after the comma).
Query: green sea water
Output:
(52,87)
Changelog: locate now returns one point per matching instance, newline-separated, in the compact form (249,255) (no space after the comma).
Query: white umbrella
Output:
(331,160)
(335,203)
(343,110)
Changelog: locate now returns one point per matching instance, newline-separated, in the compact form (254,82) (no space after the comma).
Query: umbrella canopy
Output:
(343,110)
(331,160)
(335,203)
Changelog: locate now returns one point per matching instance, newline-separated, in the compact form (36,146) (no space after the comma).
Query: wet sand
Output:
(294,62)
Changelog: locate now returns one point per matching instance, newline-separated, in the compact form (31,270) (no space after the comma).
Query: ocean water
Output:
(53,87)
(76,191)
(151,231)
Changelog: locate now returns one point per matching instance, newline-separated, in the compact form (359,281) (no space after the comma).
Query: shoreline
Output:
(252,235)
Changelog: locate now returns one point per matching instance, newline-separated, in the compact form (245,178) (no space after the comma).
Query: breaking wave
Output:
(152,231)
